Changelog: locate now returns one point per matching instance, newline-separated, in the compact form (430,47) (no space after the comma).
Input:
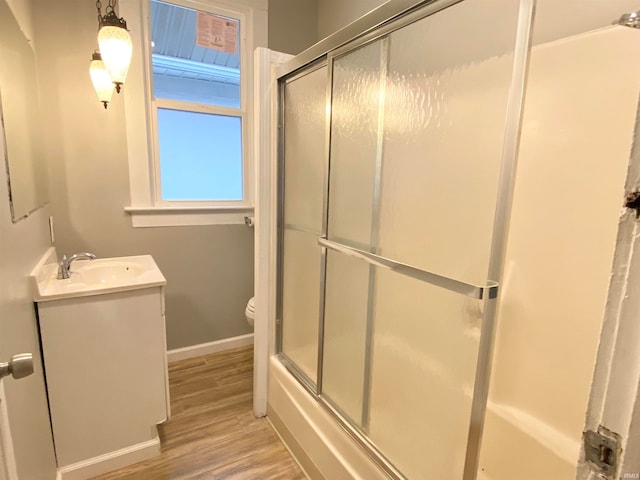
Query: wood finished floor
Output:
(212,433)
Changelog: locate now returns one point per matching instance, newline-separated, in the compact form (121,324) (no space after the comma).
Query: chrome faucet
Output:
(64,266)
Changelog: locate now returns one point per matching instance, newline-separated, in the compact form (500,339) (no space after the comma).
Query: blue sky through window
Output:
(200,156)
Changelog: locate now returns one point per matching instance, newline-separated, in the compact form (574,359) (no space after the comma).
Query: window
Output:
(188,101)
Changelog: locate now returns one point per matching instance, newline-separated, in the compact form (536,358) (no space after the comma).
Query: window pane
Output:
(196,55)
(200,156)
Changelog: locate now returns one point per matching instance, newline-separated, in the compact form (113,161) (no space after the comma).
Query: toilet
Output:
(250,311)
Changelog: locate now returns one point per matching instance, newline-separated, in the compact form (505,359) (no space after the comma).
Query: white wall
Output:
(556,20)
(562,238)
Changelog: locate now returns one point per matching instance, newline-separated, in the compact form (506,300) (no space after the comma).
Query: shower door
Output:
(396,153)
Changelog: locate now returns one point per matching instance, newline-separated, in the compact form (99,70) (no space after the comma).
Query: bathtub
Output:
(321,447)
(518,445)
(515,443)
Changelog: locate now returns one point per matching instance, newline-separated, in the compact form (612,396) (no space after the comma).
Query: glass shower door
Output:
(302,187)
(422,121)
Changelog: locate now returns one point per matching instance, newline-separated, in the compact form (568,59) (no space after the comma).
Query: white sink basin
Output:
(108,271)
(94,277)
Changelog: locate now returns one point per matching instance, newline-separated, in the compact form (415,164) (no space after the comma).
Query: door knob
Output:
(20,365)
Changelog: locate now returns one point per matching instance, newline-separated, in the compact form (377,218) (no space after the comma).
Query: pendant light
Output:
(100,78)
(115,44)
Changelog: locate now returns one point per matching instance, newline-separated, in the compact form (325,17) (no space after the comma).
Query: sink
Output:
(94,277)
(107,271)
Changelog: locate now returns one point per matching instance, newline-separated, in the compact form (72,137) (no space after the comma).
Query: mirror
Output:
(28,186)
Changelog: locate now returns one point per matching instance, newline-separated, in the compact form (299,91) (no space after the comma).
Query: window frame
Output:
(147,208)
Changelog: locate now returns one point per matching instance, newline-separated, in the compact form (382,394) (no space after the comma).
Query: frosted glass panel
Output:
(300,300)
(445,114)
(354,137)
(439,137)
(345,333)
(425,350)
(304,146)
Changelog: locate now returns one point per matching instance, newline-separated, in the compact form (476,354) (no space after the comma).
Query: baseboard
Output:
(111,461)
(207,348)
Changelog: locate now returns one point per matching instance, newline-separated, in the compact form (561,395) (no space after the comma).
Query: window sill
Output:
(188,216)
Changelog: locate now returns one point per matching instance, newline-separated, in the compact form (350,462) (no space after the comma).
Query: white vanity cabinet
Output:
(105,364)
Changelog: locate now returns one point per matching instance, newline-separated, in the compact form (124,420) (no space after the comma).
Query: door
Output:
(26,432)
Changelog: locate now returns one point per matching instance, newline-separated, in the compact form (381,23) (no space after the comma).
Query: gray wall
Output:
(293,25)
(209,269)
(335,14)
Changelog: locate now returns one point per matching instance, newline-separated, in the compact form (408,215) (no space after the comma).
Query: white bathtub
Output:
(515,444)
(319,444)
(518,445)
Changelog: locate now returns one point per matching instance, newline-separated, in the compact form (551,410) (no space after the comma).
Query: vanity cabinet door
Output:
(106,371)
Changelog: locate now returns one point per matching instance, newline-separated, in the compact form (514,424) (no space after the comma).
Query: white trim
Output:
(614,401)
(190,209)
(136,101)
(184,216)
(265,142)
(170,219)
(8,453)
(111,461)
(178,354)
(3,463)
(183,106)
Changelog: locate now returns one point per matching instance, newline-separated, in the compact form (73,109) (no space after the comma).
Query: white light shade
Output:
(115,47)
(101,80)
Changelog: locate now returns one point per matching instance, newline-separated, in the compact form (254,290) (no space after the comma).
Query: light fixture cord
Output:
(111,7)
(99,8)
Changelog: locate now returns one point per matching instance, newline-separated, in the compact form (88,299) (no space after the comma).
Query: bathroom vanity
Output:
(104,352)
